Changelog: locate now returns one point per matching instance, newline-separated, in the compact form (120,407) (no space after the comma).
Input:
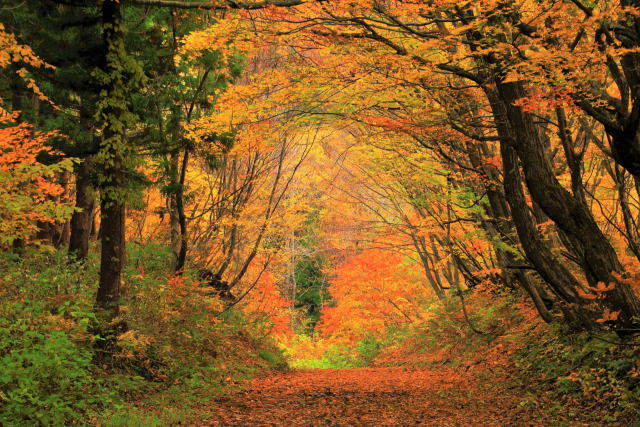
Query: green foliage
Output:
(309,274)
(311,286)
(335,357)
(46,372)
(338,356)
(274,357)
(131,416)
(121,76)
(368,349)
(45,377)
(584,368)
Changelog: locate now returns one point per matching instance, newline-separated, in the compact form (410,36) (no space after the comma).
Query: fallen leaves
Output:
(371,396)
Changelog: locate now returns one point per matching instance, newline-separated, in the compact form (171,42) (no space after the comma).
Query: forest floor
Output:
(376,397)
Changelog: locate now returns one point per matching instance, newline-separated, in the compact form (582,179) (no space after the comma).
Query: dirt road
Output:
(369,397)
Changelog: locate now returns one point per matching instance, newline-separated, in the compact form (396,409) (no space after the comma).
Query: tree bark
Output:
(82,219)
(182,218)
(504,230)
(597,256)
(111,154)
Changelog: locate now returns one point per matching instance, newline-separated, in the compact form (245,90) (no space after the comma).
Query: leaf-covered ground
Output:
(373,397)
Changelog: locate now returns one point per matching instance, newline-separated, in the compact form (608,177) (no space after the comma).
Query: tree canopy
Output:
(327,172)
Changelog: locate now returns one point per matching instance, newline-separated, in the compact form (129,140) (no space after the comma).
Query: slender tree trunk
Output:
(82,219)
(174,222)
(182,218)
(16,87)
(419,245)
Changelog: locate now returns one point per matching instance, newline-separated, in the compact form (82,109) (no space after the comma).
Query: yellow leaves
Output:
(11,51)
(132,343)
(223,36)
(60,323)
(135,338)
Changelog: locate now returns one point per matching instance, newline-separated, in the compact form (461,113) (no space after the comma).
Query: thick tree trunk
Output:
(625,136)
(625,147)
(503,229)
(111,155)
(597,257)
(554,273)
(113,255)
(82,219)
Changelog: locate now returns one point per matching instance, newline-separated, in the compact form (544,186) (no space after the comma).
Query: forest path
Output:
(369,397)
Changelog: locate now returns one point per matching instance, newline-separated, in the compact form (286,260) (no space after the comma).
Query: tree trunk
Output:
(597,257)
(182,218)
(16,87)
(174,222)
(82,219)
(112,161)
(504,231)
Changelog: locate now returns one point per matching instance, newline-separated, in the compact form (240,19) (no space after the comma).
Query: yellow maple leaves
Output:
(29,190)
(12,52)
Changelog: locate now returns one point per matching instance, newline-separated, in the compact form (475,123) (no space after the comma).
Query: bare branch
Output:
(220,5)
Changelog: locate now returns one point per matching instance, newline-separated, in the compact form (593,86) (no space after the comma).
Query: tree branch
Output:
(219,5)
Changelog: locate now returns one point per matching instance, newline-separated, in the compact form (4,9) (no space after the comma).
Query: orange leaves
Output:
(545,100)
(596,291)
(608,315)
(269,310)
(586,295)
(495,161)
(29,190)
(387,123)
(11,51)
(371,290)
(601,287)
(634,281)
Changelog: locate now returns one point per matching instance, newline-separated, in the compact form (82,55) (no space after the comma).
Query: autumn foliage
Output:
(29,190)
(192,191)
(372,291)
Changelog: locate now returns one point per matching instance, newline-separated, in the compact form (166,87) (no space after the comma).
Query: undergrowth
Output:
(589,372)
(176,352)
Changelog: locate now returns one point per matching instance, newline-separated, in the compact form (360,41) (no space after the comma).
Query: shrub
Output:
(46,371)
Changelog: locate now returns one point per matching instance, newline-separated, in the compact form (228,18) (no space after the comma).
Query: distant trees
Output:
(494,93)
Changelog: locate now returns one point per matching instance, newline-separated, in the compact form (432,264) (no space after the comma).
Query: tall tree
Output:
(119,75)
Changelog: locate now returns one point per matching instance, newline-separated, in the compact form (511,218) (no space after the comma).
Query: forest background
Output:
(196,191)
